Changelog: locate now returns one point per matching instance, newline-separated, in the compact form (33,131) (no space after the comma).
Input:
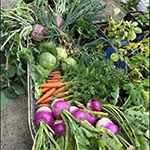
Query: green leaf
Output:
(10,92)
(4,100)
(19,12)
(27,53)
(38,91)
(102,143)
(147,133)
(134,23)
(12,71)
(17,37)
(137,30)
(20,70)
(146,83)
(27,31)
(115,95)
(19,90)
(131,35)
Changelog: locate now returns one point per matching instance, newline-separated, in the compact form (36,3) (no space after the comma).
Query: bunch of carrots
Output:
(52,89)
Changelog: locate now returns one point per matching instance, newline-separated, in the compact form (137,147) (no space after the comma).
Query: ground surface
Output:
(15,134)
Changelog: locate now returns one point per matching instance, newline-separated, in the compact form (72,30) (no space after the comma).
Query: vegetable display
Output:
(82,99)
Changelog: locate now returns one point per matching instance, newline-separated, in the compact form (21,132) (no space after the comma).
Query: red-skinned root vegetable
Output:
(107,123)
(111,126)
(94,105)
(59,21)
(57,106)
(44,114)
(91,119)
(79,114)
(82,115)
(59,127)
(73,108)
(38,32)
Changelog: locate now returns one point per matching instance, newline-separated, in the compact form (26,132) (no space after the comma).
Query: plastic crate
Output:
(110,49)
(131,16)
(120,63)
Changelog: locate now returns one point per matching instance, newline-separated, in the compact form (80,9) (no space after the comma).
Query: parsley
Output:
(96,80)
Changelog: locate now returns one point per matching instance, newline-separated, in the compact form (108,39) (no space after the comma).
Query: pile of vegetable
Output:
(83,100)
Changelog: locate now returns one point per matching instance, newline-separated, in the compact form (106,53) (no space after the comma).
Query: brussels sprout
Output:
(47,47)
(68,63)
(61,53)
(47,60)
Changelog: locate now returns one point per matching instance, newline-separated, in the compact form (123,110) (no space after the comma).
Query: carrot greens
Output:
(99,80)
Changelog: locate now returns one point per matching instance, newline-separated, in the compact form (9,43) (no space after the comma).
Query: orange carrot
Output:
(53,81)
(51,85)
(55,77)
(55,73)
(62,94)
(46,95)
(59,90)
(47,100)
(64,98)
(45,104)
(45,89)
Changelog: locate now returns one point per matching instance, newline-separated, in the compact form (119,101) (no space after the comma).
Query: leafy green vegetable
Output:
(47,60)
(123,122)
(15,36)
(130,4)
(17,46)
(135,96)
(48,46)
(87,31)
(85,136)
(39,75)
(143,19)
(97,81)
(44,138)
(61,53)
(122,30)
(140,120)
(69,63)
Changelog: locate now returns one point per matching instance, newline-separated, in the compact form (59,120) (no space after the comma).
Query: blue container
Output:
(121,63)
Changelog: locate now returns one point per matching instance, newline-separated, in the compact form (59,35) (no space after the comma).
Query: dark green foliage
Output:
(98,80)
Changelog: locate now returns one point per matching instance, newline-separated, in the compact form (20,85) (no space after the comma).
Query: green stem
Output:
(8,40)
(125,143)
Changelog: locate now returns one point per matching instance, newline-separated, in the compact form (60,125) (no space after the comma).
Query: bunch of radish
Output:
(52,117)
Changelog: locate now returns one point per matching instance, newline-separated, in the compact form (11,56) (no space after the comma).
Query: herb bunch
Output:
(99,80)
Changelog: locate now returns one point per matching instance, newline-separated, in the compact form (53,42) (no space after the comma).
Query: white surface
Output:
(142,5)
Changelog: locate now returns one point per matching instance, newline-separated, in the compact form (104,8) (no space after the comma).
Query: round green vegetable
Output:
(68,63)
(47,47)
(61,53)
(47,60)
(114,57)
